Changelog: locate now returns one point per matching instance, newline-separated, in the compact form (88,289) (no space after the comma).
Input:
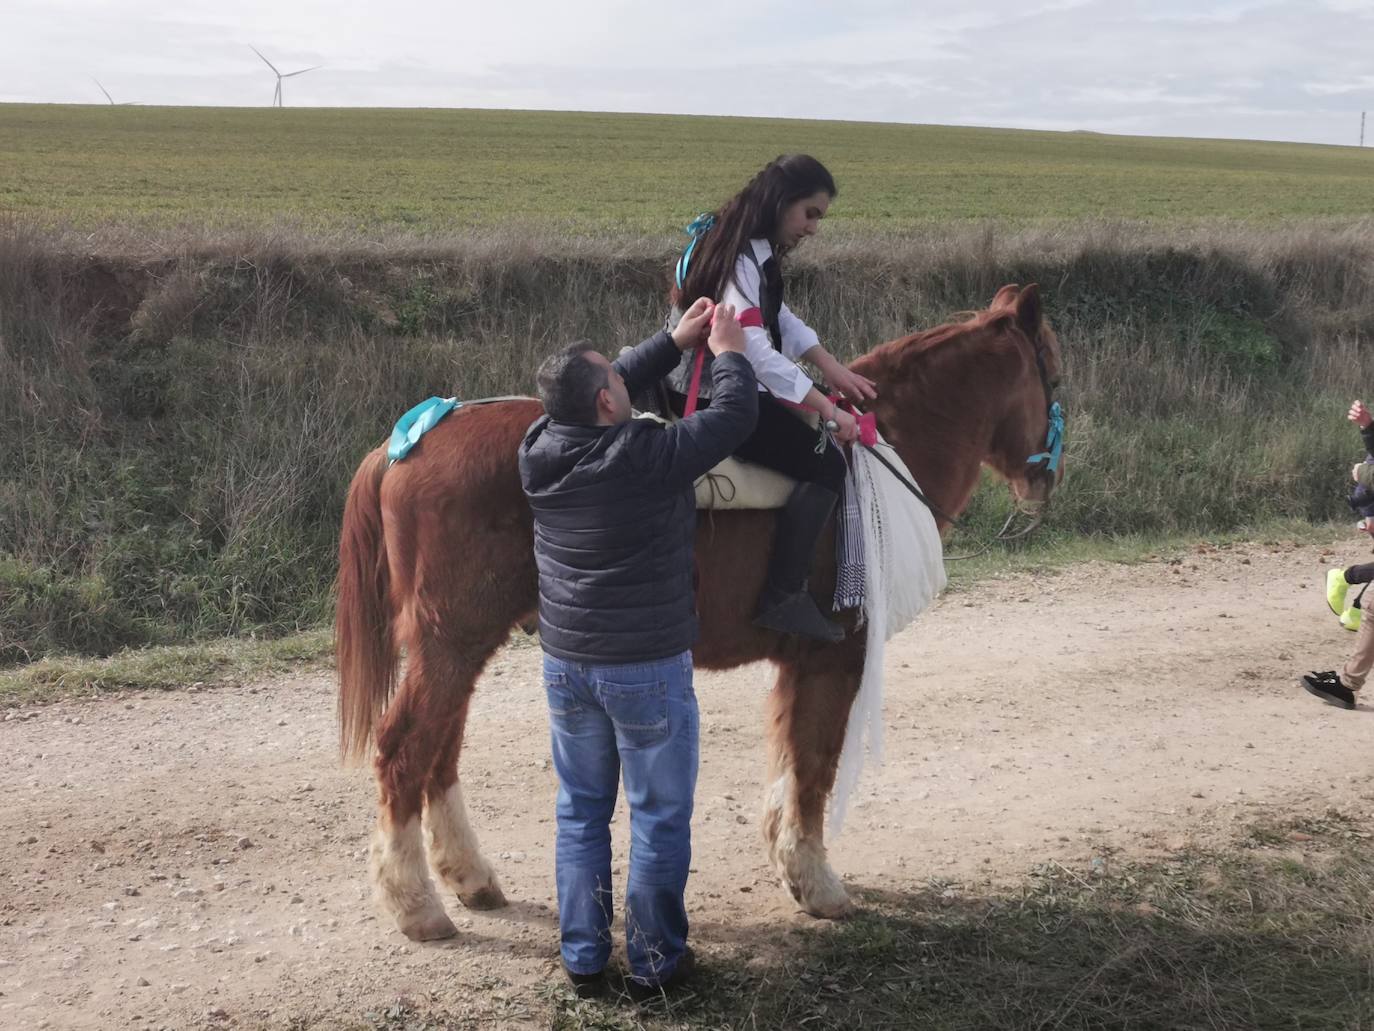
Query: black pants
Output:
(783,442)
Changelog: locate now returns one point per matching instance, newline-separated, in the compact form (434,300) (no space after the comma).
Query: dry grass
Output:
(167,668)
(182,411)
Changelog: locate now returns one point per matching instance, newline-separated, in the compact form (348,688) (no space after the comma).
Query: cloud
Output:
(1363,84)
(1287,69)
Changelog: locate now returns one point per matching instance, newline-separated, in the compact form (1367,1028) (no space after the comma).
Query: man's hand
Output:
(726,332)
(1360,415)
(695,324)
(1355,472)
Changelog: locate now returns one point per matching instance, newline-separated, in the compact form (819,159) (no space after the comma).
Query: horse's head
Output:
(976,392)
(1027,439)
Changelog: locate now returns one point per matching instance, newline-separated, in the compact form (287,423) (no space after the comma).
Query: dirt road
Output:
(198,858)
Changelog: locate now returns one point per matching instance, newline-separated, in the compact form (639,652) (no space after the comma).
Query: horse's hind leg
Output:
(420,731)
(809,710)
(453,850)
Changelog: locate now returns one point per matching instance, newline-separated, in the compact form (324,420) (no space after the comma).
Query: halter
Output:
(1047,461)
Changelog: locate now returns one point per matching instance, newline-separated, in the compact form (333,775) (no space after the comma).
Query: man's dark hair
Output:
(568,384)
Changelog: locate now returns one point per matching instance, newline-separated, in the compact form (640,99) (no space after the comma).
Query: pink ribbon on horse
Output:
(868,422)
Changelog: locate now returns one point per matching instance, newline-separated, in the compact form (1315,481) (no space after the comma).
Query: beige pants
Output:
(1362,661)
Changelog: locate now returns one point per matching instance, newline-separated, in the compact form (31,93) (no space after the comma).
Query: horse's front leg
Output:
(809,709)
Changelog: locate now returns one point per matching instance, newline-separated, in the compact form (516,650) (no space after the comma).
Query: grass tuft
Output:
(166,668)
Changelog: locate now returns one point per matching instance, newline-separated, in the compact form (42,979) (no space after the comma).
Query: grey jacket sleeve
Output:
(647,363)
(689,449)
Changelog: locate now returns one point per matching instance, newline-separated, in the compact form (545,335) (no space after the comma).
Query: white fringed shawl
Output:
(904,571)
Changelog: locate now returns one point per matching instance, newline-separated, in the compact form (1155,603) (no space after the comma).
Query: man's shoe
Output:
(587,986)
(641,991)
(1350,618)
(1328,687)
(796,613)
(1336,588)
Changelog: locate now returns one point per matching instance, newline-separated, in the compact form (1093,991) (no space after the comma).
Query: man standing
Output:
(614,522)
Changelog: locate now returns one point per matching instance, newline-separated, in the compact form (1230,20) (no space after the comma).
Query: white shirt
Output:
(777,372)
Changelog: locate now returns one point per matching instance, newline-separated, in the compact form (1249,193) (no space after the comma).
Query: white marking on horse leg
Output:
(800,858)
(814,885)
(771,822)
(401,884)
(455,854)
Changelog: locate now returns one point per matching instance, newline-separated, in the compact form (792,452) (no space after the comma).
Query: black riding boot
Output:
(786,605)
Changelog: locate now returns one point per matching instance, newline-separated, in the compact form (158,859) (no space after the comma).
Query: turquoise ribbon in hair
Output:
(700,226)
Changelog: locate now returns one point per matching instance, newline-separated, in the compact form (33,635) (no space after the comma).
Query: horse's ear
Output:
(1005,298)
(1029,311)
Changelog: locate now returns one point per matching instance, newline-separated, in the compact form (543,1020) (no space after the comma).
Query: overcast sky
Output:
(1263,69)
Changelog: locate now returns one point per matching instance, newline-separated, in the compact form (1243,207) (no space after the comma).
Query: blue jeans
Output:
(641,719)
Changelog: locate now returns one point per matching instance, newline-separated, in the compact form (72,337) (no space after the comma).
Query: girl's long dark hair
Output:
(752,213)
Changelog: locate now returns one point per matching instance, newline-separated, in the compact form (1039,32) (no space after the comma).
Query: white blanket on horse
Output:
(904,570)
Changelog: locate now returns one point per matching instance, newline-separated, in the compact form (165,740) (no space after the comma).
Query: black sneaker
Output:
(587,986)
(642,992)
(1328,687)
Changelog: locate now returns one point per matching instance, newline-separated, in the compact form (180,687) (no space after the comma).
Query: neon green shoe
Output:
(1335,591)
(1350,618)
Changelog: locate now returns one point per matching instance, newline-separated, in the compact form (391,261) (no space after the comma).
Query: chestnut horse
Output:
(437,558)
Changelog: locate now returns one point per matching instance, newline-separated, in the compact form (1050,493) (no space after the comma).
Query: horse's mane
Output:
(961,325)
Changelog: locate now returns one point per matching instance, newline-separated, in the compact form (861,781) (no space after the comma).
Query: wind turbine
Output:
(276,97)
(127,103)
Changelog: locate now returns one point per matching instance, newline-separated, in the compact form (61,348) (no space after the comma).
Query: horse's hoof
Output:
(831,910)
(832,903)
(431,925)
(487,897)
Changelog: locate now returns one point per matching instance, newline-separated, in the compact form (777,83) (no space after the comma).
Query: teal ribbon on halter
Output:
(1054,442)
(700,226)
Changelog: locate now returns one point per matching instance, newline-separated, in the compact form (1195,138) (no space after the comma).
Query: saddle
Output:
(735,483)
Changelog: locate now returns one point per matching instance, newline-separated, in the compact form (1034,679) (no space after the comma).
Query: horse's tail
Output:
(363,641)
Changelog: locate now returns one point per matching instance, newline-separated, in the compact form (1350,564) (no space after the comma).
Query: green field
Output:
(623,174)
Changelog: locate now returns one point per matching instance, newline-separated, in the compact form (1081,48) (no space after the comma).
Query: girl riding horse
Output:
(736,257)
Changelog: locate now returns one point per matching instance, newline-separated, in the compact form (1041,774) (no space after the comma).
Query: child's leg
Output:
(1362,660)
(1361,574)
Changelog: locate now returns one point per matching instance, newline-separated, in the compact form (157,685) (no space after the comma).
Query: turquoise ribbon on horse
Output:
(416,423)
(701,225)
(1054,442)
